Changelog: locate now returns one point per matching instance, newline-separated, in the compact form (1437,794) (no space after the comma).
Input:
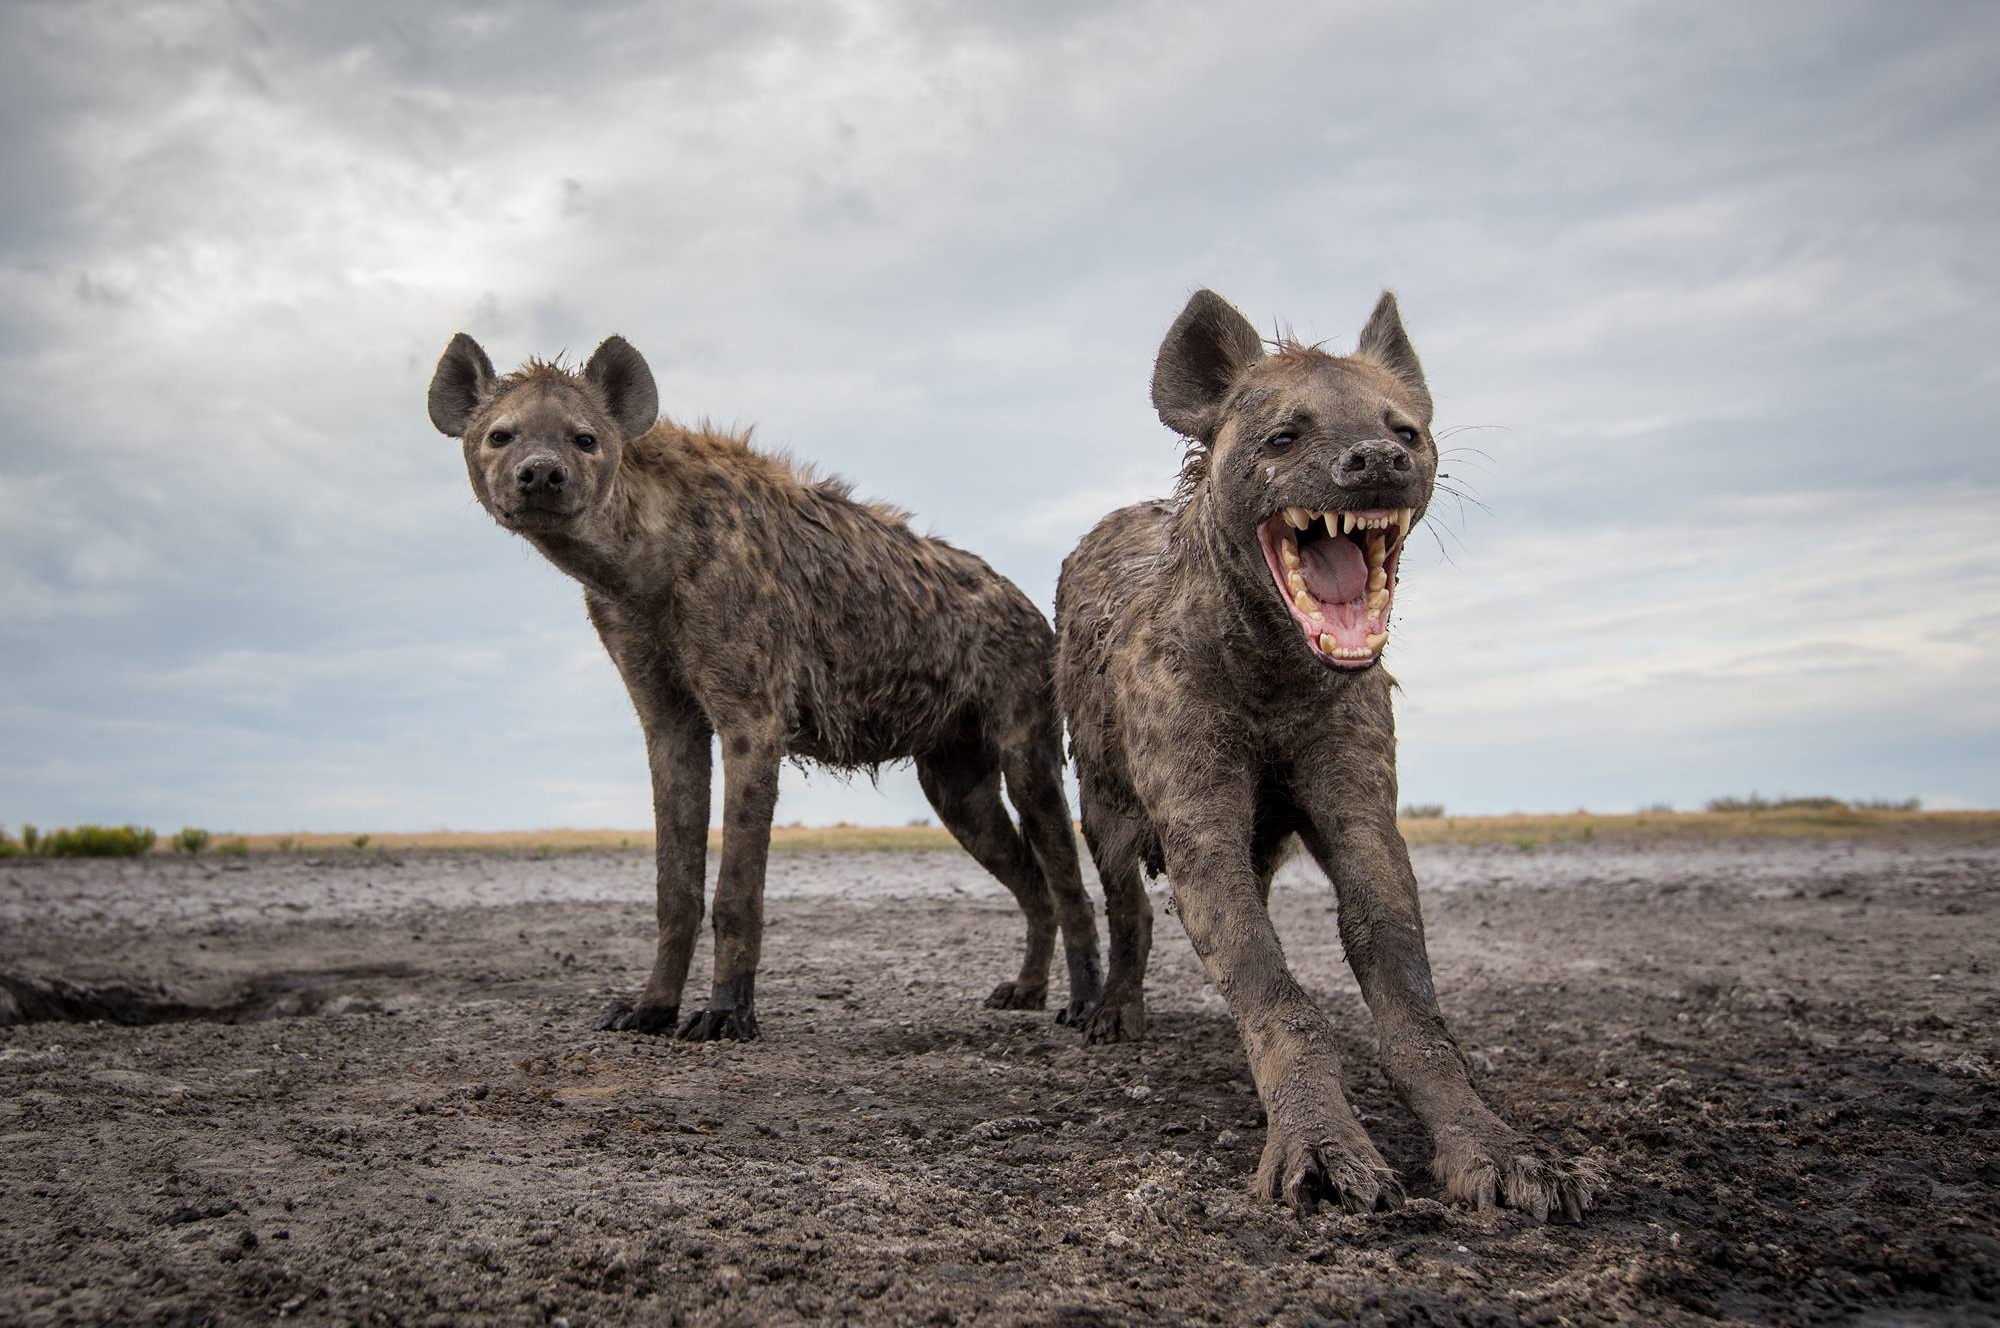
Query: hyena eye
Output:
(585,442)
(1278,442)
(1408,435)
(500,437)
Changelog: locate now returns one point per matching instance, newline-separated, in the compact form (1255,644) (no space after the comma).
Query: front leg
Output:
(1480,1160)
(1314,1148)
(751,755)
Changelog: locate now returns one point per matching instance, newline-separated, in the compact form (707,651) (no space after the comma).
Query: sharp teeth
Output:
(1288,553)
(1376,641)
(1298,518)
(1403,515)
(1346,523)
(1306,603)
(1329,646)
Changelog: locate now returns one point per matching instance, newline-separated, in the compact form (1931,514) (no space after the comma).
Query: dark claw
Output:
(623,1018)
(738,1025)
(1018,996)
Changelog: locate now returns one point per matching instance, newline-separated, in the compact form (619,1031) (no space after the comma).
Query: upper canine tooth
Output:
(1403,515)
(1346,523)
(1298,518)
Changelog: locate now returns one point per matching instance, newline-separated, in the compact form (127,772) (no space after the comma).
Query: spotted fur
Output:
(1209,739)
(744,599)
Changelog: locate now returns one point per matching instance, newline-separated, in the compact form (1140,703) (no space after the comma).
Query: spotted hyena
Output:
(741,598)
(1219,662)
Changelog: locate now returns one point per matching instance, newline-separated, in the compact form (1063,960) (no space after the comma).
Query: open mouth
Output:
(1336,572)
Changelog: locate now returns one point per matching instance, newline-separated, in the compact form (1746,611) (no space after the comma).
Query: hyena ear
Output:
(1206,348)
(620,375)
(1383,342)
(464,376)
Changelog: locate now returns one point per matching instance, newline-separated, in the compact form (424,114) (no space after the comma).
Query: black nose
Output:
(537,474)
(1373,461)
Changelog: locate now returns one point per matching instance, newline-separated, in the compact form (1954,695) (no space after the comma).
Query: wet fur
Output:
(1209,741)
(741,597)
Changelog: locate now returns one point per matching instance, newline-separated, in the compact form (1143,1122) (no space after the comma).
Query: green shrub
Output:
(360,842)
(8,848)
(99,841)
(31,839)
(191,840)
(238,847)
(1423,811)
(287,843)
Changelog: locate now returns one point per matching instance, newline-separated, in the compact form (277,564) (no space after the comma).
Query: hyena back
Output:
(1219,664)
(739,597)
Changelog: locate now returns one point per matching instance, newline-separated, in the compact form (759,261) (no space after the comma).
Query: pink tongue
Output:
(1334,570)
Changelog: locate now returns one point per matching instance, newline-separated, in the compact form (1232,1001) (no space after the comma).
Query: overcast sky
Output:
(1712,291)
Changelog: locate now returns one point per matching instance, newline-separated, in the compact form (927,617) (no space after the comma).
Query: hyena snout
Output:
(1372,462)
(541,475)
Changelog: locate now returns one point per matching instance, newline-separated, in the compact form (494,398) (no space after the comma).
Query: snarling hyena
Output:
(740,597)
(1219,663)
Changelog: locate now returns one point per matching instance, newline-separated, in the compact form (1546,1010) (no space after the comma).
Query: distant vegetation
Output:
(191,840)
(1816,803)
(97,841)
(1422,811)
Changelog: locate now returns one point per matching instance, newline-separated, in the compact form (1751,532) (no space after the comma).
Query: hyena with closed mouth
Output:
(1219,664)
(739,597)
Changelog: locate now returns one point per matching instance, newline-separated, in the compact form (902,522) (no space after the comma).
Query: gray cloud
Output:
(1720,280)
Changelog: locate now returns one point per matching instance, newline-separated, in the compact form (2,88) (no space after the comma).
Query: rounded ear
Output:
(1384,343)
(620,375)
(463,378)
(1204,351)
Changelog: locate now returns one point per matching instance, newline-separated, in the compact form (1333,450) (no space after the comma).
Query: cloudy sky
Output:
(1711,291)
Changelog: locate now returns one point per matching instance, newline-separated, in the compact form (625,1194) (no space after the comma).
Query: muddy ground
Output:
(376,1098)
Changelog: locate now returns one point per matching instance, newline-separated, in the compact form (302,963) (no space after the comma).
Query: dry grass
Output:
(1522,831)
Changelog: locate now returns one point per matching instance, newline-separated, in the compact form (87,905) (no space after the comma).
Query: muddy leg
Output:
(1314,1148)
(677,748)
(750,760)
(1034,782)
(1480,1160)
(963,784)
(1114,845)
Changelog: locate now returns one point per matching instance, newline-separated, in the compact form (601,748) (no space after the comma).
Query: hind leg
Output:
(1034,782)
(1114,846)
(963,785)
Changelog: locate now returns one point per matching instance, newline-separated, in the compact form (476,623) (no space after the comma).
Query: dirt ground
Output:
(375,1097)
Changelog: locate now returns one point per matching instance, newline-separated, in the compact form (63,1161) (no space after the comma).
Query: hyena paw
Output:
(1119,1017)
(1327,1162)
(1019,996)
(737,1025)
(1499,1168)
(640,1018)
